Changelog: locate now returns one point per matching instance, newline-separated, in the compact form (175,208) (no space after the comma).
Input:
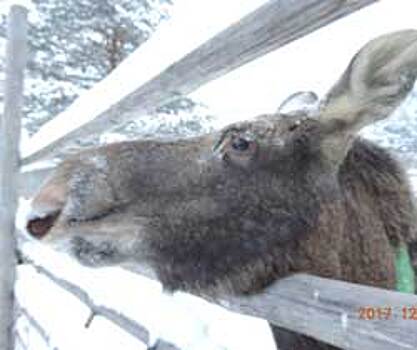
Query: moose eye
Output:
(240,144)
(294,126)
(236,148)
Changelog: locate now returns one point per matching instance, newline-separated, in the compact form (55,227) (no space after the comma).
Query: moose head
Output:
(235,209)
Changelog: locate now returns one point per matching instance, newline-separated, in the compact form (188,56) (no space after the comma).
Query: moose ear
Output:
(377,80)
(302,102)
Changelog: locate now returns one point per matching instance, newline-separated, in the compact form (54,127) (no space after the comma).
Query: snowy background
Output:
(73,45)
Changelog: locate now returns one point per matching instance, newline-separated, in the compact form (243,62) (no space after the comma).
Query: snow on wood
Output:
(58,313)
(29,334)
(324,309)
(79,283)
(161,76)
(181,319)
(59,317)
(9,165)
(104,334)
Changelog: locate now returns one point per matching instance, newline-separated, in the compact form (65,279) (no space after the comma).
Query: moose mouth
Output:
(40,226)
(92,253)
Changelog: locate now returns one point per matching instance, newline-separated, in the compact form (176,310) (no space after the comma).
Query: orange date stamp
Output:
(387,313)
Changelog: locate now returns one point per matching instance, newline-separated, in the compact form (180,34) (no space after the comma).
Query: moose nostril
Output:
(38,227)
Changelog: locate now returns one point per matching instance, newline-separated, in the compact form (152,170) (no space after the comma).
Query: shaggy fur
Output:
(233,211)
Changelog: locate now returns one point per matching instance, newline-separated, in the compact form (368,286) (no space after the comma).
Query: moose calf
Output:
(232,211)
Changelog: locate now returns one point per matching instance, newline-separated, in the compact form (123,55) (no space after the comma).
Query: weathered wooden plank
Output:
(87,297)
(9,165)
(122,321)
(269,27)
(331,311)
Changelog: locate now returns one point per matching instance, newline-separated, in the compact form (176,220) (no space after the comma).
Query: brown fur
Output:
(231,212)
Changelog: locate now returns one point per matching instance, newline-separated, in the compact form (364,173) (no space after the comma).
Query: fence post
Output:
(9,166)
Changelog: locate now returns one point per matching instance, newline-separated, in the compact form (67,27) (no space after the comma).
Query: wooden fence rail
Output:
(128,325)
(336,312)
(9,165)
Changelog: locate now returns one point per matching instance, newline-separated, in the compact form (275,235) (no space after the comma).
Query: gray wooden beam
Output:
(9,165)
(269,27)
(332,311)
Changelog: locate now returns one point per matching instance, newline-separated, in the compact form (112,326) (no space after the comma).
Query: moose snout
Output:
(38,226)
(46,207)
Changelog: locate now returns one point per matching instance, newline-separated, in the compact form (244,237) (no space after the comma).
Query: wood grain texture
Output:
(269,27)
(329,310)
(16,55)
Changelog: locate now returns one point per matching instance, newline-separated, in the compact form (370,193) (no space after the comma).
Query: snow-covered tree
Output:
(75,43)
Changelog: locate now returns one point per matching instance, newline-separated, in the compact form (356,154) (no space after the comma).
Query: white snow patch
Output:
(22,213)
(344,320)
(41,165)
(413,181)
(28,336)
(112,137)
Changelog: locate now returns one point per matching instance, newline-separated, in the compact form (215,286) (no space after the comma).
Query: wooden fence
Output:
(334,311)
(9,165)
